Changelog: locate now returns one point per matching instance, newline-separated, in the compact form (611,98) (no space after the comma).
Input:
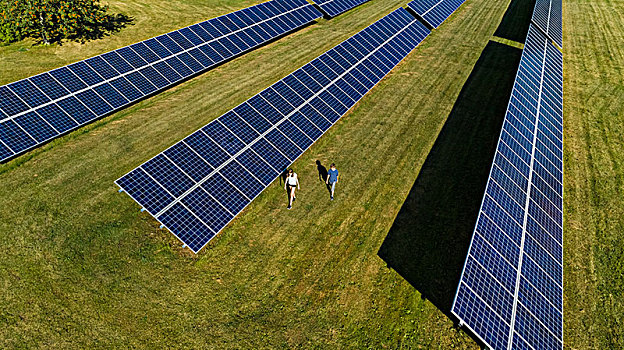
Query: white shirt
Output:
(292,180)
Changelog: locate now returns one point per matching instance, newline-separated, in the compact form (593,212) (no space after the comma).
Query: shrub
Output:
(51,21)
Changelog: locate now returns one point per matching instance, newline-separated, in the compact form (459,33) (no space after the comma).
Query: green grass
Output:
(81,267)
(594,212)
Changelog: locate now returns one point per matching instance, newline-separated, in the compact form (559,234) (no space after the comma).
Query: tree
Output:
(56,20)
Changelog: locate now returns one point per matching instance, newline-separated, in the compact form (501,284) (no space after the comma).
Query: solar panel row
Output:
(198,185)
(335,7)
(435,11)
(42,107)
(511,289)
(547,16)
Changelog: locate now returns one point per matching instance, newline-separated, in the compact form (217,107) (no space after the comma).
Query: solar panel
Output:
(71,96)
(547,17)
(335,7)
(435,12)
(198,185)
(511,290)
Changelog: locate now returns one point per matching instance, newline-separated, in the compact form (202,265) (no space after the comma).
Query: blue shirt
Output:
(333,175)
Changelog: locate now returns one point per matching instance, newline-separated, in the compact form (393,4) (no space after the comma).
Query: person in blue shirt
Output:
(332,178)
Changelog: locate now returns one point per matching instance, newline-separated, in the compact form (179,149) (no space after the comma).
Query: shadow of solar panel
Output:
(249,146)
(511,289)
(97,86)
(435,12)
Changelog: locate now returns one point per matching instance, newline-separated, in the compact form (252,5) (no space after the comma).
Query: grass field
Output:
(81,267)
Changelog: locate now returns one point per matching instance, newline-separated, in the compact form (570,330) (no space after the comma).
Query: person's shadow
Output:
(283,176)
(322,174)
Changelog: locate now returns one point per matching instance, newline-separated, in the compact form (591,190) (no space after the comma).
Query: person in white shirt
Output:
(291,182)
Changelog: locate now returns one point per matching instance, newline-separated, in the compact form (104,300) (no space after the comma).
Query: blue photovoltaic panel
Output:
(511,289)
(335,7)
(547,16)
(221,168)
(435,11)
(37,109)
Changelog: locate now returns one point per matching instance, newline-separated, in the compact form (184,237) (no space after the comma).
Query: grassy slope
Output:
(81,267)
(594,214)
